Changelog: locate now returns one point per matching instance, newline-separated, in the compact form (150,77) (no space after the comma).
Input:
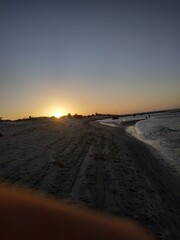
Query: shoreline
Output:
(95,166)
(162,190)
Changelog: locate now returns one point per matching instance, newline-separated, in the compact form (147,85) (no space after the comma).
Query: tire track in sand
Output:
(80,176)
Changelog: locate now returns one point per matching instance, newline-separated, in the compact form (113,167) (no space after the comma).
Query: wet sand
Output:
(96,166)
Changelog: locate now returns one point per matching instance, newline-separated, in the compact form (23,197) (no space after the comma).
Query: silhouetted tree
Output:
(69,115)
(77,116)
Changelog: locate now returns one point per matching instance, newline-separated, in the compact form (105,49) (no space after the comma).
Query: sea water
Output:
(162,131)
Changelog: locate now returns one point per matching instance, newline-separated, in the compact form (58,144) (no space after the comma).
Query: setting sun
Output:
(58,114)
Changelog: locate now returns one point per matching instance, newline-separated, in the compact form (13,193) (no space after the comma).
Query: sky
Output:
(88,56)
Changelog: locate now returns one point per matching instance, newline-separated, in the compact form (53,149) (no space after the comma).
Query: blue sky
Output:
(88,56)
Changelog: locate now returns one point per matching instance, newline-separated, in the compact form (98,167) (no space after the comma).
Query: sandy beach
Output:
(93,165)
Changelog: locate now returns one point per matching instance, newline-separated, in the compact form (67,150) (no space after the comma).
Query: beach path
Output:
(95,166)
